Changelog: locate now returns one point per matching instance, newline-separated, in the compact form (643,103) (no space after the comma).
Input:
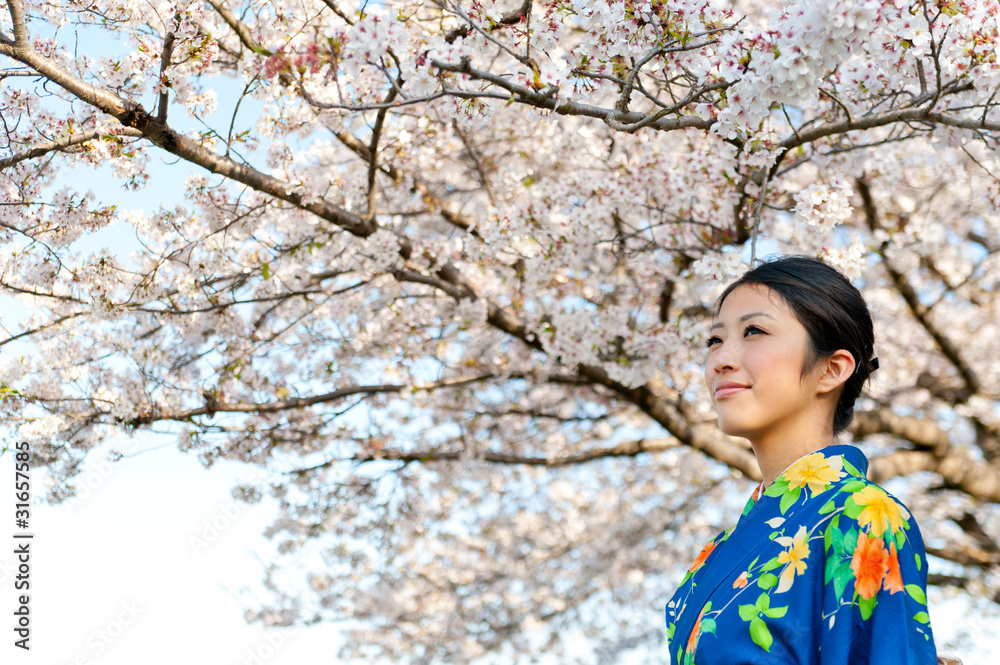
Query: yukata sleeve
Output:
(875,580)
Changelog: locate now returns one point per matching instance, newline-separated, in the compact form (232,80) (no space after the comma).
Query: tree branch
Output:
(297,403)
(4,73)
(241,30)
(546,99)
(920,312)
(958,470)
(62,144)
(40,328)
(168,49)
(17,19)
(922,433)
(134,116)
(448,211)
(373,151)
(967,555)
(625,449)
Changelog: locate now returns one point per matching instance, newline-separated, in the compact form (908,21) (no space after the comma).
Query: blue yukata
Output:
(825,568)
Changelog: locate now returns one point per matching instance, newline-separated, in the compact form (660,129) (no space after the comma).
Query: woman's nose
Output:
(723,359)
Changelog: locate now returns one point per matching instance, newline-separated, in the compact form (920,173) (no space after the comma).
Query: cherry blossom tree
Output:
(446,269)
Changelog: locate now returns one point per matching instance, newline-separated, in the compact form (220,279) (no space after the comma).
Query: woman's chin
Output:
(735,427)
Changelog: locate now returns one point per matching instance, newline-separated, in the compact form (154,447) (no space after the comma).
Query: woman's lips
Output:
(728,390)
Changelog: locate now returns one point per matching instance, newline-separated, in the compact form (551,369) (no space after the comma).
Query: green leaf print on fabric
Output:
(852,509)
(838,561)
(759,632)
(851,469)
(788,499)
(761,635)
(853,486)
(777,488)
(867,606)
(916,593)
(865,577)
(767,581)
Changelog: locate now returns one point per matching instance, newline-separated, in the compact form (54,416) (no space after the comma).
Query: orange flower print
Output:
(741,581)
(893,580)
(870,564)
(702,557)
(693,638)
(880,511)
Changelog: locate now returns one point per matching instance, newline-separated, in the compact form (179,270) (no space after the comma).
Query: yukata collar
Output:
(856,464)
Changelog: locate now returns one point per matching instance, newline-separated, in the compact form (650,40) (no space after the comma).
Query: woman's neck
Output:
(774,458)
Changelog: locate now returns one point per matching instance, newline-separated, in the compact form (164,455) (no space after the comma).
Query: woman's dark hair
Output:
(832,311)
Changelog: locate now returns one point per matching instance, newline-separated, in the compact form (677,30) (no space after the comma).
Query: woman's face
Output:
(757,350)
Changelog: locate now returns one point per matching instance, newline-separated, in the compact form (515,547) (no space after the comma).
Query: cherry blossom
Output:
(446,268)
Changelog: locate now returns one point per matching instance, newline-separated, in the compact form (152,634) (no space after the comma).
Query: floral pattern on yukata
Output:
(825,568)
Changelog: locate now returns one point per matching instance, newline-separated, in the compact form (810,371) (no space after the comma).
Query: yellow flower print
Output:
(794,558)
(815,471)
(880,511)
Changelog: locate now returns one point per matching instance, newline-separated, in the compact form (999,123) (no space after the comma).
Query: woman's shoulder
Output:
(833,479)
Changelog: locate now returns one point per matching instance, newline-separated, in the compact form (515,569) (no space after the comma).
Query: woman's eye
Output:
(712,341)
(752,330)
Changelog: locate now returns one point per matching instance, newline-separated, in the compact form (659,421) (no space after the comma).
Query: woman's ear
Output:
(837,369)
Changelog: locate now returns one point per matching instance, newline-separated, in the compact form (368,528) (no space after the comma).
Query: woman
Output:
(823,567)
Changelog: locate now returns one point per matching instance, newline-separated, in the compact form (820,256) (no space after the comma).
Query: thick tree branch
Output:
(923,434)
(17,19)
(970,525)
(659,409)
(338,11)
(966,555)
(957,469)
(134,116)
(935,454)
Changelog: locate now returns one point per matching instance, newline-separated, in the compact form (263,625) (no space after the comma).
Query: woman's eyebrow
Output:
(745,317)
